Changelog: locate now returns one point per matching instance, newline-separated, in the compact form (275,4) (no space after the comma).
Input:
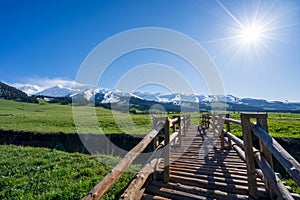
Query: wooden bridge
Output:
(206,162)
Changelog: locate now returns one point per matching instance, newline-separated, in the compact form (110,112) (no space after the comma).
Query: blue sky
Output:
(48,40)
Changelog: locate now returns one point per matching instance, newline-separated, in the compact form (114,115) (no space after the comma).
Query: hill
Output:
(10,93)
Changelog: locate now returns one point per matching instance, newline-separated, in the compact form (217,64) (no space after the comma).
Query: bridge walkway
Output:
(200,169)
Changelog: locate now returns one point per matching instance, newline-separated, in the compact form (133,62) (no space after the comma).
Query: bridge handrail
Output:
(234,121)
(110,179)
(133,191)
(265,172)
(161,127)
(263,156)
(285,159)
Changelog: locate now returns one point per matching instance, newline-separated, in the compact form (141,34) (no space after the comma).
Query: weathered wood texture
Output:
(166,171)
(233,121)
(286,160)
(110,179)
(263,157)
(274,182)
(200,169)
(248,144)
(208,162)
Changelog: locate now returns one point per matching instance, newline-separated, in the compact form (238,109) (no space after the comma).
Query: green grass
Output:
(55,118)
(38,173)
(282,125)
(27,173)
(293,185)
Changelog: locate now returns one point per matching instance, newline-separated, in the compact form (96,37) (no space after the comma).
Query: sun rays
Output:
(251,34)
(251,30)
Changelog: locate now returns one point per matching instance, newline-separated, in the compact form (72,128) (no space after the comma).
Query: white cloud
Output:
(37,84)
(51,82)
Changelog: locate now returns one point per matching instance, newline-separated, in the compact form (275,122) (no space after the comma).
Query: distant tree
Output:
(11,93)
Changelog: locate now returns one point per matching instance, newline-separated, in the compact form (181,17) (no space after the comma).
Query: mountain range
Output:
(114,96)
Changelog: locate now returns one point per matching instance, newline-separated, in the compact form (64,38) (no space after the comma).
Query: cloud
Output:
(50,82)
(37,84)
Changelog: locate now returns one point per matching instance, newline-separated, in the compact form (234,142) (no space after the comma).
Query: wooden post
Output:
(222,140)
(261,120)
(212,123)
(205,121)
(179,131)
(208,121)
(221,123)
(174,124)
(183,123)
(166,173)
(155,140)
(228,130)
(248,143)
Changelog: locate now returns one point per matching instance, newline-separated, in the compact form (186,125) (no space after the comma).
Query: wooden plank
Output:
(208,193)
(231,158)
(172,193)
(235,139)
(220,173)
(295,196)
(212,178)
(233,121)
(209,169)
(286,160)
(274,182)
(247,135)
(180,131)
(166,173)
(243,157)
(213,165)
(133,190)
(262,122)
(227,187)
(109,180)
(222,140)
(226,162)
(228,129)
(154,197)
(215,169)
(175,119)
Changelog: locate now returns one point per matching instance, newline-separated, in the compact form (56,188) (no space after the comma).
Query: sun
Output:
(251,34)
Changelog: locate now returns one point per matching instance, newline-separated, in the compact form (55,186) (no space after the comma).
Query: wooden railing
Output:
(257,148)
(161,140)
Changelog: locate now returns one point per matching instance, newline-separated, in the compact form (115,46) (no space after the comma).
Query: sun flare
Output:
(251,33)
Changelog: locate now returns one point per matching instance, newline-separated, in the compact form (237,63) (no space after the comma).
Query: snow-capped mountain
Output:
(148,96)
(177,98)
(55,91)
(29,89)
(102,95)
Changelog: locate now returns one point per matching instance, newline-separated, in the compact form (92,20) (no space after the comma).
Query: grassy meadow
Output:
(281,125)
(39,173)
(55,118)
